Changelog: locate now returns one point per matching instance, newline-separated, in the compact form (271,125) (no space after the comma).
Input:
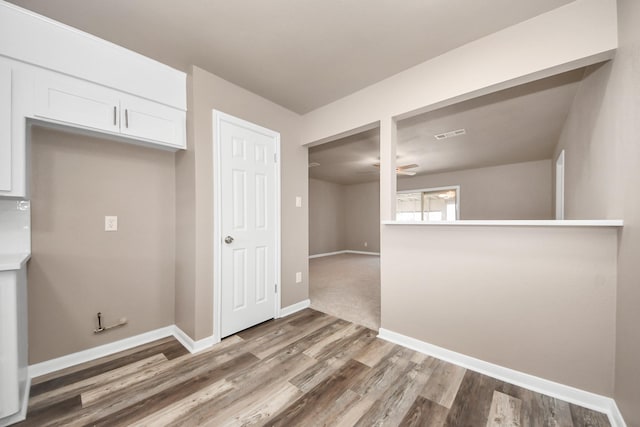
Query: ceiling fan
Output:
(402,170)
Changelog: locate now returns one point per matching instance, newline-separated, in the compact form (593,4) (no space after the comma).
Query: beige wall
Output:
(327,224)
(362,216)
(194,186)
(602,176)
(538,300)
(591,143)
(515,191)
(343,217)
(78,269)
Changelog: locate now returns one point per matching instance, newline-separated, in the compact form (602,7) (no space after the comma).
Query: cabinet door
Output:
(154,122)
(5,127)
(69,100)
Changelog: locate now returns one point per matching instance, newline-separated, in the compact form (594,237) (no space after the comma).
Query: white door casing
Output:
(247,243)
(560,186)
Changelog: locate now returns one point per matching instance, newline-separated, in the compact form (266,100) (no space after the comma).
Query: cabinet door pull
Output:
(115,118)
(126,118)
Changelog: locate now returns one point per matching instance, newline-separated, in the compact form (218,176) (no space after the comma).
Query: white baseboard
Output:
(326,254)
(294,308)
(88,355)
(348,251)
(21,415)
(190,344)
(362,253)
(83,356)
(615,416)
(567,393)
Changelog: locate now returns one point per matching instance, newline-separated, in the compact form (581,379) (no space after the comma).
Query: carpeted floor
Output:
(347,286)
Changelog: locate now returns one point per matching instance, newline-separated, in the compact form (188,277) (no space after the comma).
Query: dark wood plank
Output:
(306,369)
(425,413)
(583,417)
(55,411)
(300,318)
(473,401)
(182,369)
(538,409)
(396,401)
(54,383)
(308,409)
(142,408)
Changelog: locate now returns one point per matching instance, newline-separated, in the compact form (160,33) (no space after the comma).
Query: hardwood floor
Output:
(308,369)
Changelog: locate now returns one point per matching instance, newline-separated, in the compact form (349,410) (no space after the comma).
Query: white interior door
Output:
(248,229)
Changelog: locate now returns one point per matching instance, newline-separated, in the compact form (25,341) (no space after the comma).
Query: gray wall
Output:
(326,217)
(602,177)
(362,216)
(78,269)
(515,191)
(343,217)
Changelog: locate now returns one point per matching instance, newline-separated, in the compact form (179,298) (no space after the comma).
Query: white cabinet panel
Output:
(75,101)
(140,118)
(5,127)
(9,378)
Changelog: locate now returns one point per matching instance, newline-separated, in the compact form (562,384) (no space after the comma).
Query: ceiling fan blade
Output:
(411,166)
(402,170)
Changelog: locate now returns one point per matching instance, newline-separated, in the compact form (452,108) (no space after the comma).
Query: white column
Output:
(388,140)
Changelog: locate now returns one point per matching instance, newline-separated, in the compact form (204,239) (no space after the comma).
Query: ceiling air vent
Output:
(451,134)
(314,164)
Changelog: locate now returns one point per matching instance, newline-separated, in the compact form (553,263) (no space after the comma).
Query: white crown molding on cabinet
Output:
(43,42)
(540,385)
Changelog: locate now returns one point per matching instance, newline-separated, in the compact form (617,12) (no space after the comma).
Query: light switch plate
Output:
(110,223)
(298,202)
(299,277)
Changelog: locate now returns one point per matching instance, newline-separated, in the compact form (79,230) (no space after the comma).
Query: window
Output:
(430,204)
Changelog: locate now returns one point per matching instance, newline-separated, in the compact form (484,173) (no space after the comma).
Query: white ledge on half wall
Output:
(518,223)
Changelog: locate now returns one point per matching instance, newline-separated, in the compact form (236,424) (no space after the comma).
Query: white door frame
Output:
(218,117)
(560,186)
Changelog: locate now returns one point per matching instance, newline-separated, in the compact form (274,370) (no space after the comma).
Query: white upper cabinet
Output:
(148,120)
(76,102)
(5,127)
(57,74)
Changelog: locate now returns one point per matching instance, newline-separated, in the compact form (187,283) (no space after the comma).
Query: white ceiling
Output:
(301,54)
(514,125)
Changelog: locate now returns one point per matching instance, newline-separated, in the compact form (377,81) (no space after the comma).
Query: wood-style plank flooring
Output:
(308,369)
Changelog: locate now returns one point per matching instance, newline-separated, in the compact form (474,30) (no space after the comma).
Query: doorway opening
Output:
(344,228)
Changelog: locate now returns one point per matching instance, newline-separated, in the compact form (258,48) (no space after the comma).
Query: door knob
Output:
(228,239)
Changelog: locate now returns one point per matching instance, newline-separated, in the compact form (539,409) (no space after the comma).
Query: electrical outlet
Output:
(366,244)
(299,277)
(110,223)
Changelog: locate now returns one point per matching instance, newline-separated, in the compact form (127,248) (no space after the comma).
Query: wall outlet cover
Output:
(110,223)
(299,277)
